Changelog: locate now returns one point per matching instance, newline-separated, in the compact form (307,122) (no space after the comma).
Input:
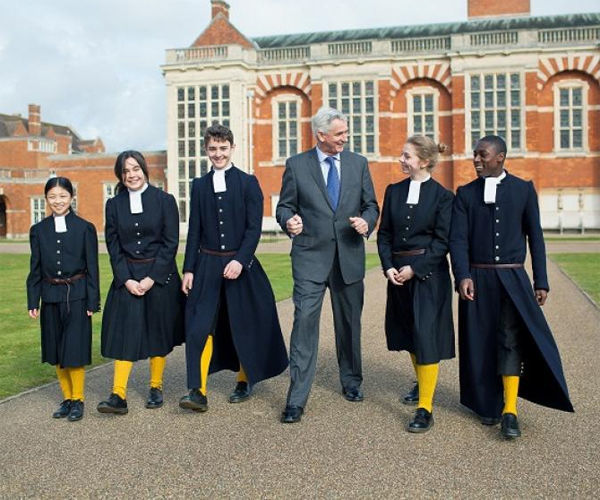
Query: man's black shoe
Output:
(63,409)
(510,426)
(421,422)
(412,397)
(241,392)
(114,404)
(354,395)
(76,412)
(292,414)
(155,398)
(195,400)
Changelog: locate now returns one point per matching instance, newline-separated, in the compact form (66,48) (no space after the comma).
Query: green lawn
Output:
(20,366)
(584,269)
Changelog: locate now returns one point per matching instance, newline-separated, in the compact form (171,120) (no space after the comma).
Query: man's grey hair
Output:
(321,122)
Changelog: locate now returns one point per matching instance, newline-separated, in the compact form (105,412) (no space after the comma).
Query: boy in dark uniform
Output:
(231,319)
(505,345)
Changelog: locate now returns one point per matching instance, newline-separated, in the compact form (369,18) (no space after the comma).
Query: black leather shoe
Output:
(76,412)
(412,397)
(354,395)
(155,398)
(292,414)
(510,426)
(114,404)
(241,392)
(490,420)
(421,422)
(63,409)
(195,400)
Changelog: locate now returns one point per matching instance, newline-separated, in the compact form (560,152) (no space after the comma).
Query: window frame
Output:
(39,211)
(280,99)
(423,90)
(570,84)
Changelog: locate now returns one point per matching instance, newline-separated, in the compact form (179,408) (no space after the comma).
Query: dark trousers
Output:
(347,303)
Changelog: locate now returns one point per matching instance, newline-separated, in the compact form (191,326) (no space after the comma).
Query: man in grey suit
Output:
(327,205)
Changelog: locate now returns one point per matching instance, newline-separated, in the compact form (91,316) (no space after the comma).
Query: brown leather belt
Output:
(141,261)
(65,281)
(217,253)
(409,253)
(497,266)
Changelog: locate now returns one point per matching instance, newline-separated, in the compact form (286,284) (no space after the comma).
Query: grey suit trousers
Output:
(347,303)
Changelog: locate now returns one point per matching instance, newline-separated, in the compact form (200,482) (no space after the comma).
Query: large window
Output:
(496,106)
(198,107)
(357,101)
(38,209)
(570,116)
(286,127)
(422,105)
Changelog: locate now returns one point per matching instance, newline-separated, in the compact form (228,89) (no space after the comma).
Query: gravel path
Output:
(338,450)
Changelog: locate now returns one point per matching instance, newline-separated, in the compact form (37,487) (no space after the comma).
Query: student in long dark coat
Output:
(64,274)
(143,315)
(231,319)
(505,345)
(413,243)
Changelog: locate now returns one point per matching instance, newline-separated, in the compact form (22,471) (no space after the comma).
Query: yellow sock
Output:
(122,371)
(427,379)
(157,368)
(241,376)
(511,390)
(205,363)
(62,374)
(413,358)
(77,382)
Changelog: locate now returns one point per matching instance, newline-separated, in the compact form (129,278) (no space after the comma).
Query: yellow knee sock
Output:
(241,376)
(65,382)
(511,390)
(157,368)
(122,371)
(413,358)
(205,363)
(77,376)
(427,379)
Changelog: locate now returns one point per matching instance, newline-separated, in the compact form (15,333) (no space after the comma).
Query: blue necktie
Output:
(333,182)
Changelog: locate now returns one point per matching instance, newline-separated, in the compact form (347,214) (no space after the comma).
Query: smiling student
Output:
(413,243)
(143,315)
(64,274)
(231,319)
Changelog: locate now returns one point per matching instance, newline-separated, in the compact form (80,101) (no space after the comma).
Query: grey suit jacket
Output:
(326,232)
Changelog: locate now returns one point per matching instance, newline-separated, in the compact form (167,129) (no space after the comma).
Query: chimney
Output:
(219,7)
(35,125)
(492,8)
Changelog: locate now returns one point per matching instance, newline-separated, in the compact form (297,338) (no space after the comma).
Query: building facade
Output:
(32,151)
(532,80)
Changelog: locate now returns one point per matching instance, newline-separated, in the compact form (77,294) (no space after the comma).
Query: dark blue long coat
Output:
(249,333)
(496,234)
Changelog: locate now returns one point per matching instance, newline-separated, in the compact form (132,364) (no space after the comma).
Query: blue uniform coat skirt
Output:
(247,329)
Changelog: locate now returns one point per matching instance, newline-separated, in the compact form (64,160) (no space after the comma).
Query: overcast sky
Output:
(95,64)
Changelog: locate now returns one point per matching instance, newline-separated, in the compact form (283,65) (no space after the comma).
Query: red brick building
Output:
(532,80)
(31,151)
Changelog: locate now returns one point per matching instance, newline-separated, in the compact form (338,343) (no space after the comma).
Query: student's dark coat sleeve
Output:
(118,260)
(93,273)
(34,279)
(163,262)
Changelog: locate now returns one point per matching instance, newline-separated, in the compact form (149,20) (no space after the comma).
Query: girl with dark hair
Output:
(63,273)
(413,242)
(143,315)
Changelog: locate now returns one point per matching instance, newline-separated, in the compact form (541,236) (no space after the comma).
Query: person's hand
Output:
(466,289)
(392,276)
(541,296)
(405,273)
(89,313)
(232,270)
(294,225)
(133,287)
(187,282)
(145,285)
(34,313)
(360,225)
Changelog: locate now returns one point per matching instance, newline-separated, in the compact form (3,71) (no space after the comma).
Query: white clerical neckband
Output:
(219,185)
(414,189)
(135,199)
(491,183)
(60,223)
